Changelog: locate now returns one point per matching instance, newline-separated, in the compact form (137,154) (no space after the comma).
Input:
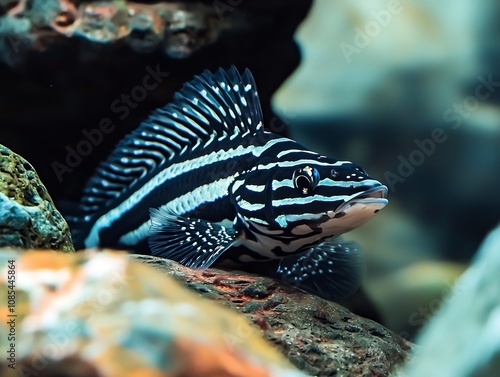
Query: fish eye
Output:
(334,173)
(306,179)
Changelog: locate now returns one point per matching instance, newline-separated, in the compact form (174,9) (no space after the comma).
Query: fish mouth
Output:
(378,192)
(375,196)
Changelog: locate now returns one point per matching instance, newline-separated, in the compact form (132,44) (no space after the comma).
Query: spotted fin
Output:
(331,270)
(194,243)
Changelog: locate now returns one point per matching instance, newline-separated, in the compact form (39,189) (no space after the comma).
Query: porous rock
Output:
(28,217)
(103,314)
(176,29)
(320,337)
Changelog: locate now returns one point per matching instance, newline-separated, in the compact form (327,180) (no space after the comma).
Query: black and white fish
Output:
(200,181)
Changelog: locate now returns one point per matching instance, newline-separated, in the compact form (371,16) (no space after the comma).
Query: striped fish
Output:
(200,181)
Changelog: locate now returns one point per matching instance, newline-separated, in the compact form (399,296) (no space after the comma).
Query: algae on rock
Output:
(28,216)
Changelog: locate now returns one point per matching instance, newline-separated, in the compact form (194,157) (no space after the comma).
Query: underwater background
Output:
(409,90)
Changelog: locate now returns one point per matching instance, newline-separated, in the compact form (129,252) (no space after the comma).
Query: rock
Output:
(320,337)
(359,61)
(176,29)
(463,339)
(28,217)
(103,314)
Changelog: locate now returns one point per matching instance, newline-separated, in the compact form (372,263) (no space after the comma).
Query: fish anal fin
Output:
(195,243)
(332,270)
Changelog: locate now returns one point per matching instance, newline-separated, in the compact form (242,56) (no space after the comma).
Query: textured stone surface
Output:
(102,314)
(320,337)
(176,29)
(463,339)
(28,217)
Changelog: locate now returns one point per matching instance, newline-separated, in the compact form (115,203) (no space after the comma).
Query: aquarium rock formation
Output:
(463,339)
(100,314)
(28,217)
(104,313)
(320,337)
(176,29)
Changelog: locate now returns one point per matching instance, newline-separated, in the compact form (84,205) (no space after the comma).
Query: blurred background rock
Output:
(374,77)
(473,309)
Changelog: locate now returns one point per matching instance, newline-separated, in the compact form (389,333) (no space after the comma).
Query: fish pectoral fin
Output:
(195,243)
(331,270)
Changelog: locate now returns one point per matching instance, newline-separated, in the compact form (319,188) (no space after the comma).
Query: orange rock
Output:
(126,319)
(195,359)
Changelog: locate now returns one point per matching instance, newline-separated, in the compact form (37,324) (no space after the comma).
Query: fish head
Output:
(316,195)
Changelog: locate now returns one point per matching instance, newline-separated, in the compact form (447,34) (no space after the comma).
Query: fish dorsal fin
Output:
(210,108)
